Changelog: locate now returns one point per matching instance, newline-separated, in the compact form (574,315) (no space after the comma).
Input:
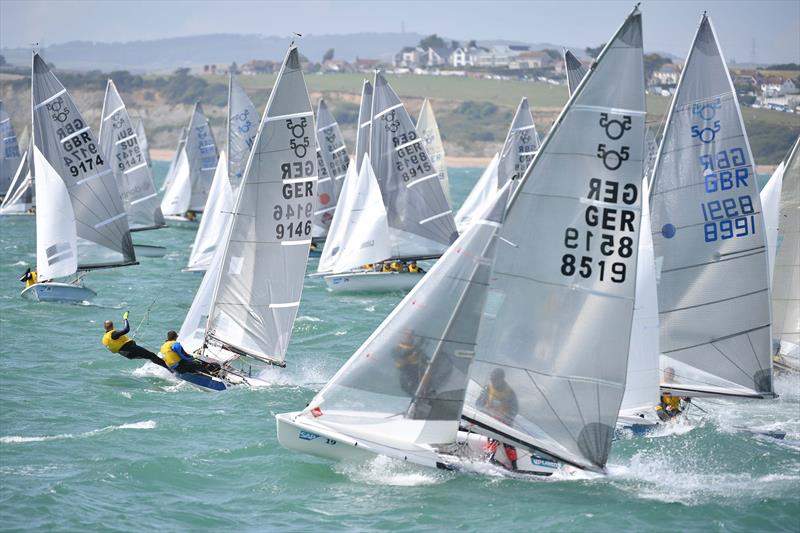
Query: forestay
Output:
(558,317)
(407,382)
(20,198)
(420,219)
(242,130)
(520,145)
(359,232)
(261,278)
(363,133)
(482,192)
(575,70)
(428,130)
(9,151)
(119,142)
(67,153)
(216,217)
(713,291)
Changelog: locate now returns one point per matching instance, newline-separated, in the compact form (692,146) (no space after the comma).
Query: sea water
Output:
(90,440)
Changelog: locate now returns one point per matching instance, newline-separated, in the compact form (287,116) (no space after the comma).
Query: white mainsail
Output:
(332,164)
(420,219)
(359,232)
(179,193)
(483,191)
(242,129)
(76,193)
(260,281)
(201,154)
(405,385)
(20,197)
(9,151)
(119,141)
(784,243)
(170,176)
(364,133)
(575,70)
(216,217)
(138,126)
(558,316)
(710,244)
(428,130)
(520,145)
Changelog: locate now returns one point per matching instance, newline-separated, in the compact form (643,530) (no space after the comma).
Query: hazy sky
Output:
(764,31)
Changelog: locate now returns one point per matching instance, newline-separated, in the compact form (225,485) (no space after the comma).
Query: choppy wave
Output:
(17,439)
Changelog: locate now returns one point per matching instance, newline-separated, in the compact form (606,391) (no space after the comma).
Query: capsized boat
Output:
(81,224)
(709,239)
(194,172)
(780,200)
(421,224)
(554,326)
(119,141)
(243,312)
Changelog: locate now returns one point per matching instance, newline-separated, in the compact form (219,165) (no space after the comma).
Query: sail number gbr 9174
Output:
(82,155)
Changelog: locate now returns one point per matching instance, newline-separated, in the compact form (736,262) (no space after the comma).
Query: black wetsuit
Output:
(131,350)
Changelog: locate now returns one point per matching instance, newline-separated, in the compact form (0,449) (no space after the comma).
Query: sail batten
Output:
(428,130)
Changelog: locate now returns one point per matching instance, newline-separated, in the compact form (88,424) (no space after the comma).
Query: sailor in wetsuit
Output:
(179,361)
(29,278)
(117,341)
(499,400)
(670,406)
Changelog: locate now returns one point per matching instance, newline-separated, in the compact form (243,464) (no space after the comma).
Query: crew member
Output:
(179,361)
(396,266)
(413,267)
(499,400)
(117,341)
(386,267)
(670,406)
(29,278)
(191,216)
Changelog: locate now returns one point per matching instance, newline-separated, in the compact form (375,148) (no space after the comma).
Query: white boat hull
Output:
(300,433)
(148,250)
(55,291)
(372,281)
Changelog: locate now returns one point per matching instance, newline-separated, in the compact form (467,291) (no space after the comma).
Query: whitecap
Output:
(17,439)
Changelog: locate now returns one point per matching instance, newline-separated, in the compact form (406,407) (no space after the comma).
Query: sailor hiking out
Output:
(117,341)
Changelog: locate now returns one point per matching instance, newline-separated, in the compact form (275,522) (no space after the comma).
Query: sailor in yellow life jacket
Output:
(117,341)
(413,267)
(179,361)
(396,266)
(670,406)
(499,400)
(29,278)
(386,267)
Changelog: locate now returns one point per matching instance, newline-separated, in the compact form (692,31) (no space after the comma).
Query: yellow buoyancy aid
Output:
(498,401)
(671,401)
(33,278)
(413,268)
(171,357)
(396,266)
(115,345)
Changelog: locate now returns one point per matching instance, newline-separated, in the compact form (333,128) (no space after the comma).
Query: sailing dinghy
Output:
(170,176)
(421,224)
(549,313)
(9,152)
(194,172)
(242,129)
(709,239)
(780,200)
(119,141)
(81,224)
(20,199)
(332,163)
(243,313)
